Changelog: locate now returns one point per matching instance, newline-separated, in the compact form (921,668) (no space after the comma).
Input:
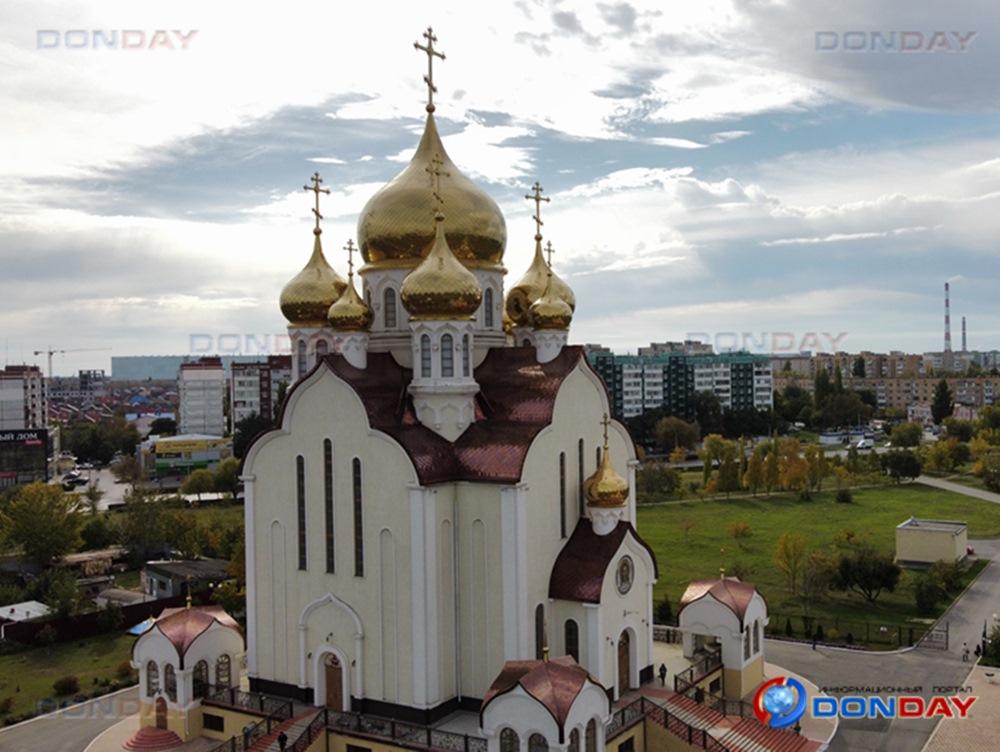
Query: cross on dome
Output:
(435,171)
(316,180)
(350,248)
(431,54)
(536,196)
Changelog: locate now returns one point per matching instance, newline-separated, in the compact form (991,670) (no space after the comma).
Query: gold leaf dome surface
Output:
(606,488)
(550,311)
(393,230)
(350,313)
(531,287)
(441,287)
(307,298)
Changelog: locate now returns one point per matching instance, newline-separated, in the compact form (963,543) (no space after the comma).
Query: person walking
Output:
(282,741)
(663,674)
(965,652)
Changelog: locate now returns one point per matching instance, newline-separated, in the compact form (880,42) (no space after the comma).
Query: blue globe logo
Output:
(779,700)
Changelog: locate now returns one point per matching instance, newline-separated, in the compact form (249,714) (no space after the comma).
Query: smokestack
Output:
(964,347)
(947,318)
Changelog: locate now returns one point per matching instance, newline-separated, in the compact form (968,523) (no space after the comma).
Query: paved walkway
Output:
(982,731)
(72,729)
(947,485)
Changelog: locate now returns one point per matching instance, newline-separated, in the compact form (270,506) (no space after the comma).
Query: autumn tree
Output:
(199,482)
(789,557)
(673,432)
(867,572)
(754,476)
(43,522)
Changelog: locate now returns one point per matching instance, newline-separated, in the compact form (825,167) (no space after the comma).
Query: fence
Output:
(690,676)
(668,634)
(251,702)
(408,734)
(846,631)
(626,717)
(719,703)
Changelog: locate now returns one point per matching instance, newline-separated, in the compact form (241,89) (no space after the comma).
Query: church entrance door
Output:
(161,713)
(334,682)
(624,666)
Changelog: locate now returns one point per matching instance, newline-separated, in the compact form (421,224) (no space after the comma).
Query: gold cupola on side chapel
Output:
(606,492)
(351,319)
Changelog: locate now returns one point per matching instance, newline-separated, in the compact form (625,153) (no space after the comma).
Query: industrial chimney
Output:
(964,343)
(947,318)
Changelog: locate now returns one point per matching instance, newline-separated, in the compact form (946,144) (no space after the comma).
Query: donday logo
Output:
(780,702)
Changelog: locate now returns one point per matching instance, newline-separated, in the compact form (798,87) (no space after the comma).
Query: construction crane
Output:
(50,353)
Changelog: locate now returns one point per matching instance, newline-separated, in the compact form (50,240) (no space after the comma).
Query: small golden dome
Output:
(508,323)
(306,299)
(550,311)
(441,287)
(606,488)
(392,227)
(532,286)
(350,313)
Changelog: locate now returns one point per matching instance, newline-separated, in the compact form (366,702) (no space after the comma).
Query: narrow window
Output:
(580,478)
(152,679)
(300,505)
(223,673)
(597,451)
(574,741)
(321,350)
(170,682)
(303,360)
(746,644)
(465,355)
(359,539)
(572,636)
(590,736)
(328,502)
(447,357)
(562,494)
(537,743)
(389,301)
(200,684)
(509,741)
(425,356)
(488,308)
(756,637)
(540,641)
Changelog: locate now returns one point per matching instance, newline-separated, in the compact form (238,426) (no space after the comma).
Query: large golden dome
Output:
(441,288)
(307,298)
(531,287)
(394,228)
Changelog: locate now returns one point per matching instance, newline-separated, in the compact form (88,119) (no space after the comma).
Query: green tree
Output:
(838,380)
(664,611)
(279,402)
(906,435)
(867,572)
(98,532)
(199,482)
(817,574)
(772,470)
(941,403)
(859,367)
(227,476)
(184,534)
(960,430)
(92,497)
(708,412)
(58,589)
(754,476)
(729,471)
(246,430)
(822,388)
(163,427)
(127,469)
(901,464)
(43,522)
(789,558)
(990,471)
(143,528)
(654,479)
(672,432)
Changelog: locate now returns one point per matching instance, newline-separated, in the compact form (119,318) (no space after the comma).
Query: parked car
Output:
(865,444)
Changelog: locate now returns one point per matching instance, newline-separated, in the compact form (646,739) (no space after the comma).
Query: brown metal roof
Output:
(182,626)
(729,591)
(579,570)
(555,684)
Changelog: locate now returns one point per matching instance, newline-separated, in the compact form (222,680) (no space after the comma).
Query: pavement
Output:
(981,732)
(947,485)
(71,729)
(114,493)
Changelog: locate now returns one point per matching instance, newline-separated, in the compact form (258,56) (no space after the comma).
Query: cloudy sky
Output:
(719,167)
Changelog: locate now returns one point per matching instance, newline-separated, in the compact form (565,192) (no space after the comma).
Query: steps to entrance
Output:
(749,735)
(691,712)
(151,739)
(293,728)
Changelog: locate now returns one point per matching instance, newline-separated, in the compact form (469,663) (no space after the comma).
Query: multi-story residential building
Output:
(23,399)
(254,387)
(202,390)
(687,347)
(637,383)
(84,387)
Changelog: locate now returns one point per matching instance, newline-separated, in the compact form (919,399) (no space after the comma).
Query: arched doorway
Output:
(624,663)
(334,678)
(161,713)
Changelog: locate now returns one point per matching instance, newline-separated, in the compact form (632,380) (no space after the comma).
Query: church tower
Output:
(307,298)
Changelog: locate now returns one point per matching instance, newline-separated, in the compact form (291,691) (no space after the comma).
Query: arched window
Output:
(170,682)
(152,679)
(300,350)
(562,494)
(389,303)
(574,741)
(300,506)
(509,741)
(223,672)
(359,530)
(572,635)
(488,308)
(540,641)
(200,677)
(425,356)
(590,736)
(321,350)
(537,743)
(527,342)
(756,637)
(447,356)
(328,503)
(465,355)
(581,476)
(746,644)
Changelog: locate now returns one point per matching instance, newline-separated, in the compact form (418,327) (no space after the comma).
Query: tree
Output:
(246,430)
(656,478)
(163,427)
(127,469)
(846,408)
(867,572)
(672,432)
(664,611)
(772,470)
(906,435)
(859,367)
(678,455)
(927,591)
(789,557)
(93,496)
(58,589)
(98,533)
(900,464)
(708,412)
(817,574)
(989,418)
(98,442)
(143,525)
(42,520)
(754,476)
(729,471)
(740,531)
(227,476)
(989,467)
(184,534)
(941,403)
(279,402)
(822,388)
(958,429)
(712,450)
(838,380)
(817,466)
(199,482)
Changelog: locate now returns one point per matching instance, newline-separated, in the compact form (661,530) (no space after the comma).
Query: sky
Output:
(775,174)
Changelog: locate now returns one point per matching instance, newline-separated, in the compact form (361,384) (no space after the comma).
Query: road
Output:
(947,485)
(114,493)
(72,729)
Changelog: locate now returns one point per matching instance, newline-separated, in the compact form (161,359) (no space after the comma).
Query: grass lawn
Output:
(707,546)
(34,670)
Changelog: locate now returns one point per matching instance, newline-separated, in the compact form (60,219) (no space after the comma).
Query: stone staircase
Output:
(293,728)
(151,739)
(749,735)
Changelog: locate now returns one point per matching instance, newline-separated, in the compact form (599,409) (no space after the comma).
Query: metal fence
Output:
(696,737)
(252,702)
(690,676)
(843,631)
(410,734)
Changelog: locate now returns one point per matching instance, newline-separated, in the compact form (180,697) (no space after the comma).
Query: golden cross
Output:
(316,180)
(350,256)
(549,251)
(605,421)
(435,171)
(536,196)
(431,54)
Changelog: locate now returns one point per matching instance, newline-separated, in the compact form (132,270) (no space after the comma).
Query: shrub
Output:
(833,635)
(789,632)
(664,614)
(949,573)
(818,634)
(67,685)
(850,638)
(844,496)
(123,670)
(46,635)
(6,705)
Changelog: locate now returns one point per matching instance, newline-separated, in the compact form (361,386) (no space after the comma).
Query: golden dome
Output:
(306,299)
(393,229)
(606,488)
(508,323)
(550,311)
(441,287)
(350,313)
(531,287)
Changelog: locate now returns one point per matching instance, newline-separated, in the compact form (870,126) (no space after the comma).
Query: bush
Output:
(818,634)
(6,705)
(844,496)
(850,638)
(46,635)
(123,671)
(789,632)
(949,573)
(664,613)
(833,635)
(68,685)
(927,591)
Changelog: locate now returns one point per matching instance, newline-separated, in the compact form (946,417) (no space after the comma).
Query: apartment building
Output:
(23,398)
(201,387)
(253,387)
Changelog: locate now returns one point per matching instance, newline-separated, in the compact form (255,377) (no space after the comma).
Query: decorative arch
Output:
(447,356)
(571,635)
(302,356)
(632,655)
(509,740)
(590,736)
(756,636)
(389,319)
(200,680)
(152,679)
(319,674)
(224,671)
(170,682)
(488,308)
(537,743)
(356,666)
